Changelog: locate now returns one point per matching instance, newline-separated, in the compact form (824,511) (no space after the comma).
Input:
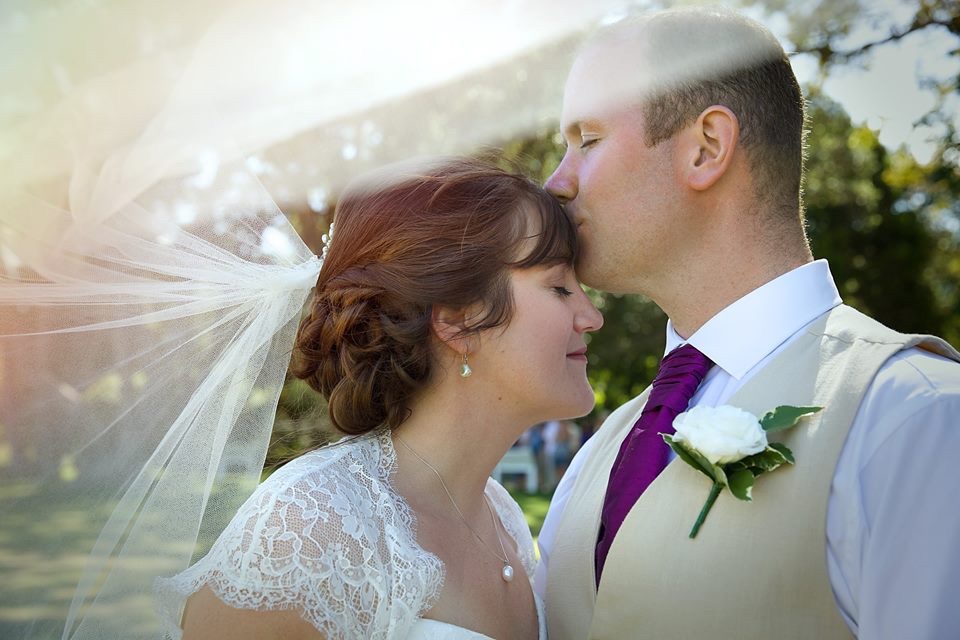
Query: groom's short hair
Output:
(701,57)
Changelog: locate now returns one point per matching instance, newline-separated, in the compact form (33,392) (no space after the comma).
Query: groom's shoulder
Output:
(915,393)
(917,376)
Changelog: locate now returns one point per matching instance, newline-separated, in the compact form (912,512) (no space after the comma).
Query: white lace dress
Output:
(328,535)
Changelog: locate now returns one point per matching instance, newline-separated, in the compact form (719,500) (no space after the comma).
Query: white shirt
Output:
(893,516)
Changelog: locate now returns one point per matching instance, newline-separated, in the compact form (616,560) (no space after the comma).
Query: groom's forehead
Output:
(606,78)
(622,67)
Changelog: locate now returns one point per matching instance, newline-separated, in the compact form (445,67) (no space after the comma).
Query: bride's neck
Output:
(459,436)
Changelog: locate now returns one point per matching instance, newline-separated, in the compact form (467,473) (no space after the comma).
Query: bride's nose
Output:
(588,317)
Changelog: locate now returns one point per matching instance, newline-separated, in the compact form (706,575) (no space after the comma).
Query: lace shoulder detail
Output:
(515,523)
(324,535)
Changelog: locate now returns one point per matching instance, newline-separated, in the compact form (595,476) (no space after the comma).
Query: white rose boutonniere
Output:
(729,446)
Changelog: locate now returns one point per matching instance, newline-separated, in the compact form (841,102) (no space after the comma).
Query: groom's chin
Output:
(589,274)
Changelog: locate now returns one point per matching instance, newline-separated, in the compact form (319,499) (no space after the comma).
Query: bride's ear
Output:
(451,328)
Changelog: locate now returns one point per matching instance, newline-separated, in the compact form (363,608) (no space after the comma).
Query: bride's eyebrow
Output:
(556,265)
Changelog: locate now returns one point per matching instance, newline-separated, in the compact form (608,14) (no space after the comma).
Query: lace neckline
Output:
(356,532)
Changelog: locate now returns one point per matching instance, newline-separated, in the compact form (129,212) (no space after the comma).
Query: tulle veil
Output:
(150,286)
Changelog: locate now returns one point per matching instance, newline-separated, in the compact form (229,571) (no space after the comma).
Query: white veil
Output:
(150,287)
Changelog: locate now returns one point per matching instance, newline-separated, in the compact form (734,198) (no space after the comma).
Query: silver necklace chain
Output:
(507,571)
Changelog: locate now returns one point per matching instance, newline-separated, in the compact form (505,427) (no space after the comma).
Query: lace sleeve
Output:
(515,523)
(328,540)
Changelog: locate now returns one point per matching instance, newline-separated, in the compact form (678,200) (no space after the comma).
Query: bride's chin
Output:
(583,406)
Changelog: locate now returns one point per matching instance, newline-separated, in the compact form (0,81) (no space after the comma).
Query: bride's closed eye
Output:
(563,292)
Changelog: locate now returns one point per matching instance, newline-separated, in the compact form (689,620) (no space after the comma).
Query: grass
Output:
(534,507)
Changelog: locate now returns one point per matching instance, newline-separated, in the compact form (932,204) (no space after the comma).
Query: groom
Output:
(683,167)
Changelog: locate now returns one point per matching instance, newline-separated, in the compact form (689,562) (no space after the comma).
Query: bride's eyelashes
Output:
(588,142)
(563,292)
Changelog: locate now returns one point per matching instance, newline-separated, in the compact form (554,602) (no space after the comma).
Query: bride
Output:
(446,319)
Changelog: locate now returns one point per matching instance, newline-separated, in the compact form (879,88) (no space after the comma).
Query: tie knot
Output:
(681,372)
(685,358)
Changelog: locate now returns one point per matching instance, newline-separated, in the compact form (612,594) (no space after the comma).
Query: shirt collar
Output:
(750,329)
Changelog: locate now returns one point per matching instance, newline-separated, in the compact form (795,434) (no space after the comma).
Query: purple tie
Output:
(643,453)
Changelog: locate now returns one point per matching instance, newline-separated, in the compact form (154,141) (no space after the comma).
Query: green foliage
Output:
(784,417)
(301,424)
(869,212)
(741,484)
(696,460)
(771,458)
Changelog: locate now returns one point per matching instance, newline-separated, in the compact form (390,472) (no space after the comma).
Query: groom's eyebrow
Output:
(572,130)
(576,127)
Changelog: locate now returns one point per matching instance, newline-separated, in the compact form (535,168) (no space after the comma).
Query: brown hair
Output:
(444,234)
(713,56)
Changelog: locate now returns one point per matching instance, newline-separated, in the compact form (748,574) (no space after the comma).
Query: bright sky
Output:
(883,88)
(393,50)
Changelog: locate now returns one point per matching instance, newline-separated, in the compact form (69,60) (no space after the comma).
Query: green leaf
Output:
(741,484)
(716,473)
(785,416)
(783,450)
(696,461)
(767,460)
(719,475)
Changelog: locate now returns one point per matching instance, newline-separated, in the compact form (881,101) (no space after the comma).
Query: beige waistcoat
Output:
(756,569)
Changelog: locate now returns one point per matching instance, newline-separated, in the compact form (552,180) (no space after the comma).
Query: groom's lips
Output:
(579,354)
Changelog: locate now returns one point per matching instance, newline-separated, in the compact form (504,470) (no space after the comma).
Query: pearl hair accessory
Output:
(327,238)
(507,572)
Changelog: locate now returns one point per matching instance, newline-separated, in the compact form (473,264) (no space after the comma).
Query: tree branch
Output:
(828,55)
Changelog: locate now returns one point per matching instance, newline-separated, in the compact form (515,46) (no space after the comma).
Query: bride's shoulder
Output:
(324,493)
(324,535)
(364,459)
(349,455)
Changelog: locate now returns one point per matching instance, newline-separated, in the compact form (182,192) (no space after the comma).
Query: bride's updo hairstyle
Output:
(405,240)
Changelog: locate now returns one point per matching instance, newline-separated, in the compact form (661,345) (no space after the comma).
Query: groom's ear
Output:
(709,145)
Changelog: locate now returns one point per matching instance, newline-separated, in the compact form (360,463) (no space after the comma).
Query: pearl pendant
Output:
(507,573)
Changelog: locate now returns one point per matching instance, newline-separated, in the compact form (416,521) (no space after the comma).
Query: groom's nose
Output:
(562,184)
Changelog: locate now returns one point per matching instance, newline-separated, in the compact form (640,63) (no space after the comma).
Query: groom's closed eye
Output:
(586,142)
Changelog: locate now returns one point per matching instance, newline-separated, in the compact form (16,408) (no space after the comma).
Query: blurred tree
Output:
(844,33)
(867,212)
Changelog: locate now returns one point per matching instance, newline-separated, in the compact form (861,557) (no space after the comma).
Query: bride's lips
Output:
(579,354)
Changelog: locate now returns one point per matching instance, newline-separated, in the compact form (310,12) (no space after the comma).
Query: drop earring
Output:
(465,370)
